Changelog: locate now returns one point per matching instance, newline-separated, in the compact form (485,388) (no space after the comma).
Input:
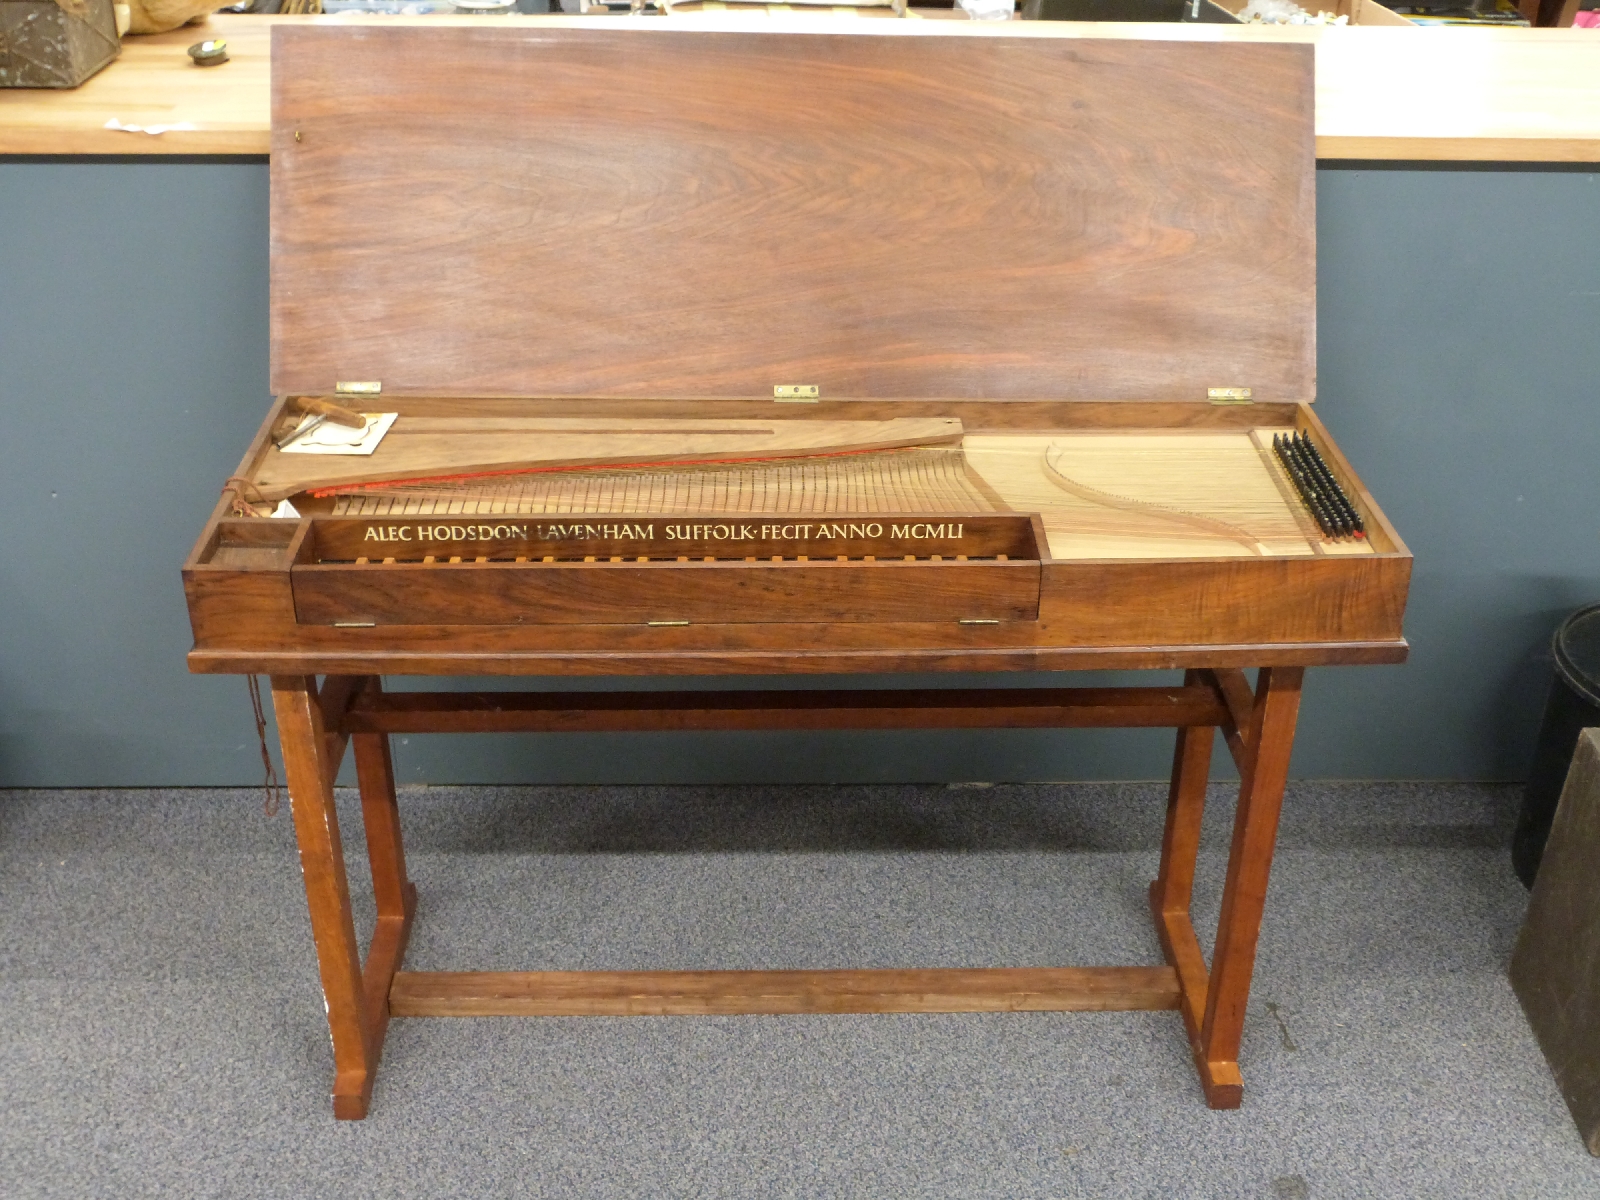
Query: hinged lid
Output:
(662,211)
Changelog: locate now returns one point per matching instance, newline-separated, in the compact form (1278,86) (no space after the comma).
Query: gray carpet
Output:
(163,1034)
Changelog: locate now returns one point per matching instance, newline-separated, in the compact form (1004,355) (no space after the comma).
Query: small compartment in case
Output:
(249,545)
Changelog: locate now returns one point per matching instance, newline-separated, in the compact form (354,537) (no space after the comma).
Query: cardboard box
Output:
(55,43)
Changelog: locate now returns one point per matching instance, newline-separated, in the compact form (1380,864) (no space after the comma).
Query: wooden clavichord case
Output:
(918,346)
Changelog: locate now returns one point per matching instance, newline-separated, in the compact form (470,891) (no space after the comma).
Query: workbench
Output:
(1461,94)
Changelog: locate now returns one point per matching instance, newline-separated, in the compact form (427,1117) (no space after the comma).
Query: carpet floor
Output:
(162,1032)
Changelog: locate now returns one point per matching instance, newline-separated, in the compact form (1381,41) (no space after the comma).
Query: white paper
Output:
(156,130)
(329,438)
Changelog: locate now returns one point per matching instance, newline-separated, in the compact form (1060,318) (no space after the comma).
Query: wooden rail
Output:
(592,712)
(715,993)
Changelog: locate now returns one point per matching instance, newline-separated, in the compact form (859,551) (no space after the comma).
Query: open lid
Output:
(658,211)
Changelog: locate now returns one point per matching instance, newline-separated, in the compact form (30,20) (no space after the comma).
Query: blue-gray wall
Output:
(1458,310)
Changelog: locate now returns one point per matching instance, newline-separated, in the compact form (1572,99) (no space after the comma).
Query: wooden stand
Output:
(316,723)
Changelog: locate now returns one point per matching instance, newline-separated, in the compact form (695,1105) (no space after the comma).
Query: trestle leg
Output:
(394,892)
(1180,845)
(1213,1003)
(357,996)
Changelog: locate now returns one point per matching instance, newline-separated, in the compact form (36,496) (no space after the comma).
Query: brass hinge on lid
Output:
(346,388)
(1229,395)
(796,393)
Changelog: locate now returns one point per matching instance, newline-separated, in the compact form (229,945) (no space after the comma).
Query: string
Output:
(865,483)
(346,489)
(269,782)
(1083,491)
(241,489)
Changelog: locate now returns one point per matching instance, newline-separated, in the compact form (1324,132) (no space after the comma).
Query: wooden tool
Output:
(335,413)
(294,426)
(862,351)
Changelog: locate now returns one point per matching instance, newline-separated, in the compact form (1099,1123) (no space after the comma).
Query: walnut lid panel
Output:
(668,212)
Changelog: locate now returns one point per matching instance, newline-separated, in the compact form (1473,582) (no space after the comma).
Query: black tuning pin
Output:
(1319,490)
(1350,518)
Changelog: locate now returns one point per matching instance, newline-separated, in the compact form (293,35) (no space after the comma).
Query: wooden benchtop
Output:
(153,84)
(1525,95)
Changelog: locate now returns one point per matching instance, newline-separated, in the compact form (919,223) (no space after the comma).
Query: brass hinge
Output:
(796,393)
(358,389)
(1228,395)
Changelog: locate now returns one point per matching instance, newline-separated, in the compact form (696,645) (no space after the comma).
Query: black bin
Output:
(1574,705)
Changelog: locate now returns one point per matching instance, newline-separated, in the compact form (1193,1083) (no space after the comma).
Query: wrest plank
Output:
(708,993)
